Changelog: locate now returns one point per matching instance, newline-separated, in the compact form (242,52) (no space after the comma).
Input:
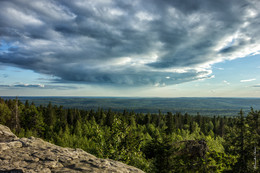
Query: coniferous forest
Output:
(161,142)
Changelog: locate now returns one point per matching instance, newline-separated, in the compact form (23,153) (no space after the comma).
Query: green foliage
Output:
(5,113)
(152,142)
(220,161)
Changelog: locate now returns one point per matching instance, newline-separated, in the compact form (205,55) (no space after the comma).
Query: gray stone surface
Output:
(35,155)
(6,134)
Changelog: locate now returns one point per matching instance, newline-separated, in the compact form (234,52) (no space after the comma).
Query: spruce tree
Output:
(169,123)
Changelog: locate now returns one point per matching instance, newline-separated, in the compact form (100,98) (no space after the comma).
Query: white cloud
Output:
(144,16)
(20,18)
(247,80)
(226,82)
(21,85)
(220,68)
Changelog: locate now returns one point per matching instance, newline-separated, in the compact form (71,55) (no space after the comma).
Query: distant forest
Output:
(154,142)
(191,105)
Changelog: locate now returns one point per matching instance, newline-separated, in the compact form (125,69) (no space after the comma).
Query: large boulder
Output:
(35,155)
(6,135)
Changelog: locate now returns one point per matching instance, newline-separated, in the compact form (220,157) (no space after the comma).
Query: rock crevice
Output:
(35,155)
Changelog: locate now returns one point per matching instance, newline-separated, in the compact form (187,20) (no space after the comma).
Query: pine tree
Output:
(147,119)
(169,123)
(70,117)
(241,165)
(222,127)
(5,113)
(253,120)
(158,122)
(17,116)
(110,118)
(50,115)
(215,127)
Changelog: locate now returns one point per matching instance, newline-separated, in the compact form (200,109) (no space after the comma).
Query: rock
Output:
(197,148)
(35,155)
(6,135)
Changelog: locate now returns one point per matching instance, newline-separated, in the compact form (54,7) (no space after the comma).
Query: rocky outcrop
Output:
(196,148)
(35,155)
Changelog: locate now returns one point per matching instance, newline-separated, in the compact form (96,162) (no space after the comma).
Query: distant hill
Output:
(205,106)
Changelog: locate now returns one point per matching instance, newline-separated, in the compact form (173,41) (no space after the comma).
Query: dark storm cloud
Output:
(126,42)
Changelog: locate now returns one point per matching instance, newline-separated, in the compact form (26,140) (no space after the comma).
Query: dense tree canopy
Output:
(153,142)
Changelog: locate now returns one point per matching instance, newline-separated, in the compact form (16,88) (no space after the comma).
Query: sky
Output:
(124,48)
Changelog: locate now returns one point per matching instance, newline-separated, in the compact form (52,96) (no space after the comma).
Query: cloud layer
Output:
(127,42)
(23,86)
(39,86)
